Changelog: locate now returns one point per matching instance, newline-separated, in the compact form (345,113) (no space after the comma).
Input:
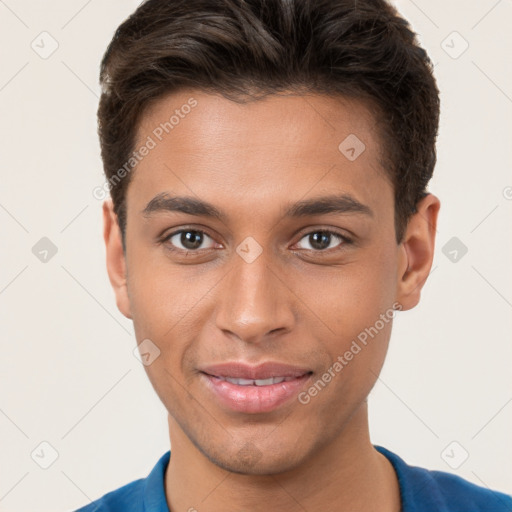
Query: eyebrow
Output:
(338,204)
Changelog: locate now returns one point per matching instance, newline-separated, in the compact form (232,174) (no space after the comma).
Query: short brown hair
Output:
(246,49)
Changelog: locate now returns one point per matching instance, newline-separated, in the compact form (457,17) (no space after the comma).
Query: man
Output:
(267,162)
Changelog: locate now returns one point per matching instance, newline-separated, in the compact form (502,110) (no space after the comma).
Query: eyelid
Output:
(345,239)
(165,239)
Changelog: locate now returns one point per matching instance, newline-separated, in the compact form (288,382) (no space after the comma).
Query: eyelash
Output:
(344,239)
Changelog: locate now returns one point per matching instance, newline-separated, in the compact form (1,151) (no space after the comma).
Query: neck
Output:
(347,474)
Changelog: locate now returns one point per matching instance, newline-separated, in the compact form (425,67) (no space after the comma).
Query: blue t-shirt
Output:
(421,490)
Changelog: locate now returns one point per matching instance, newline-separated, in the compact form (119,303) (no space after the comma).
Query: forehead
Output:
(269,149)
(214,120)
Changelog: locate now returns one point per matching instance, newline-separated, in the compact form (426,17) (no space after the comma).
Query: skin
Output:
(295,303)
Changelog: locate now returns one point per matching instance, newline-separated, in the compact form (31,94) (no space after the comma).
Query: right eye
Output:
(189,239)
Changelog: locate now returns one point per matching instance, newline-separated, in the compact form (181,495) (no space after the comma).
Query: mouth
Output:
(254,389)
(255,382)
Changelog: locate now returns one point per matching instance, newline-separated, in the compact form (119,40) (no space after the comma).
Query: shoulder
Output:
(460,494)
(144,494)
(127,498)
(423,490)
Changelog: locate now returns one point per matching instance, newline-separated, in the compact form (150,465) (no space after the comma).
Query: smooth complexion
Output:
(299,303)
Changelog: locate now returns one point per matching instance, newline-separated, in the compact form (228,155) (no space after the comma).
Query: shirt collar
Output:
(418,489)
(154,487)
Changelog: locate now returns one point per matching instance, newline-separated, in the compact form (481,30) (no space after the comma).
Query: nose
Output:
(254,301)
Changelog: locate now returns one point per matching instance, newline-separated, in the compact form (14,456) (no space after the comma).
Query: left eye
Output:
(190,239)
(322,240)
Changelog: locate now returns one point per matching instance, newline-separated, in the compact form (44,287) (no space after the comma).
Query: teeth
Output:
(240,382)
(256,382)
(264,382)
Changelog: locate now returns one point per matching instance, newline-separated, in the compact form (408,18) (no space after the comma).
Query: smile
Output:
(252,389)
(256,382)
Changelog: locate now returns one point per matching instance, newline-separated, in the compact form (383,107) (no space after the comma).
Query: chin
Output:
(265,466)
(251,460)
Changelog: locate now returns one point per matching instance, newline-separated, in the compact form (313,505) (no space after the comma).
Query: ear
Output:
(417,252)
(116,264)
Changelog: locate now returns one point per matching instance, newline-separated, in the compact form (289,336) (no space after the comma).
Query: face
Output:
(260,249)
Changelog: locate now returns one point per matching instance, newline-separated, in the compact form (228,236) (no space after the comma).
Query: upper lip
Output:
(241,370)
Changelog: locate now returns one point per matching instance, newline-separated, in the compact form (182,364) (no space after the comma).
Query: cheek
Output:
(169,305)
(348,299)
(164,298)
(355,306)
(356,356)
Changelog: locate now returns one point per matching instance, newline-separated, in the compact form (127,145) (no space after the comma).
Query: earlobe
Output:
(116,262)
(417,252)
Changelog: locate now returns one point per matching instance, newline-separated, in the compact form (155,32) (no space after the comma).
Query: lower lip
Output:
(254,399)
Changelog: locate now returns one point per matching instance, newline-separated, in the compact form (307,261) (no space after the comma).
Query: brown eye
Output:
(322,240)
(188,240)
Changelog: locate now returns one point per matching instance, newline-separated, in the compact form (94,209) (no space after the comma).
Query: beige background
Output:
(68,376)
